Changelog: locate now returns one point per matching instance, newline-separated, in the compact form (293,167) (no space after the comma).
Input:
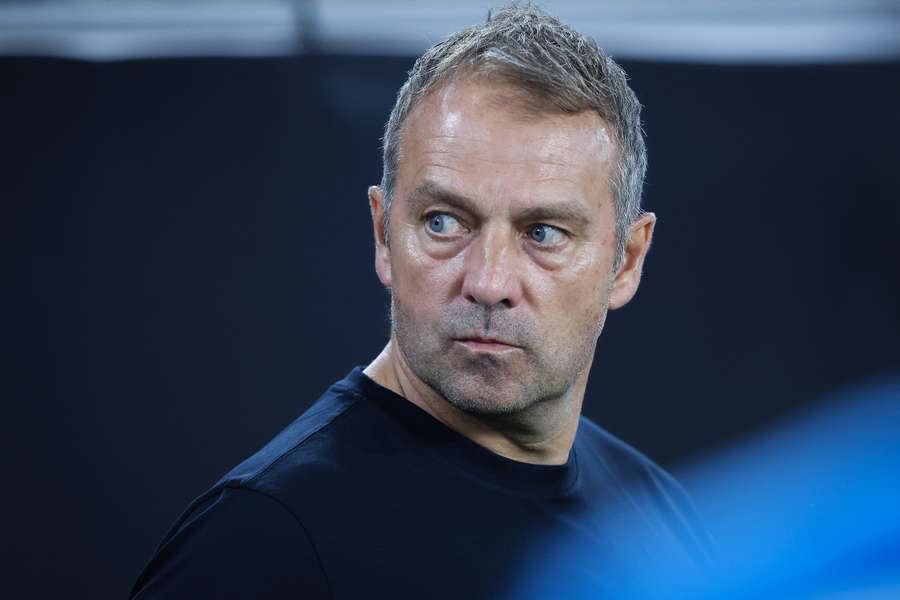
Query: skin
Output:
(501,266)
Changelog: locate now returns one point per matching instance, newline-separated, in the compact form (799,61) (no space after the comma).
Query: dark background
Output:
(187,264)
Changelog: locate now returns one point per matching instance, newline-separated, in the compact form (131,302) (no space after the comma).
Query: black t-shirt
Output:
(366,495)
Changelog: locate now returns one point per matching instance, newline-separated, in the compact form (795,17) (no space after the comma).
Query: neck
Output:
(542,434)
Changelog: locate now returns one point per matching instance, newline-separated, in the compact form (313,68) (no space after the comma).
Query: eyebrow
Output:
(565,211)
(430,191)
(571,212)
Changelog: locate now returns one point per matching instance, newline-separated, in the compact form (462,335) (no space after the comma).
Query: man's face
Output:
(502,244)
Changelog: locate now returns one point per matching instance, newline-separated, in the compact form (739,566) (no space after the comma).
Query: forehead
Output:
(489,135)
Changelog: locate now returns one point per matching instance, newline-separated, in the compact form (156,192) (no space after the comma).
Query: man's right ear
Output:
(382,252)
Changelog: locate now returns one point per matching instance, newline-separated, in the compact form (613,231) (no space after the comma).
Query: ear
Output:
(382,252)
(628,276)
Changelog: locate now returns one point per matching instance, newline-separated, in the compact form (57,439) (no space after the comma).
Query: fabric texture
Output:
(366,495)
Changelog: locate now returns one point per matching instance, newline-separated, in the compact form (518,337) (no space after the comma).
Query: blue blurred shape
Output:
(810,509)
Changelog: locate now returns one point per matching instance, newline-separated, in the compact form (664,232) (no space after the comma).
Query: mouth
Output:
(485,344)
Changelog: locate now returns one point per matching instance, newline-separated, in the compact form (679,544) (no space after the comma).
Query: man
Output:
(457,464)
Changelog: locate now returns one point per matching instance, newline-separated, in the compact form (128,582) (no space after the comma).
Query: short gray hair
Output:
(561,68)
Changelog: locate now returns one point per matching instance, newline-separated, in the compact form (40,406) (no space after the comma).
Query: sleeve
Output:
(240,543)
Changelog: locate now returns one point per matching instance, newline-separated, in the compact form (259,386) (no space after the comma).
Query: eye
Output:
(546,235)
(442,224)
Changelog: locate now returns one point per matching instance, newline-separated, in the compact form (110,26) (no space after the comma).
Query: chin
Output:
(489,385)
(485,399)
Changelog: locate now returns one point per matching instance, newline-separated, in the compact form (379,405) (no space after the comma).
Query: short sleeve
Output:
(240,543)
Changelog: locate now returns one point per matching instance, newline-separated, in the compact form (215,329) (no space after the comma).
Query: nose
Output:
(493,273)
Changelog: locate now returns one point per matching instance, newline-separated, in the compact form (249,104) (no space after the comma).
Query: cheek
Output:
(574,298)
(421,282)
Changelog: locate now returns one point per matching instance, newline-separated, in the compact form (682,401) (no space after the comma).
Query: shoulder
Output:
(304,441)
(234,543)
(601,449)
(646,487)
(250,523)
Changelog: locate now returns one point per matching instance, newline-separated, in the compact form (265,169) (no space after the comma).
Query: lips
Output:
(485,340)
(480,343)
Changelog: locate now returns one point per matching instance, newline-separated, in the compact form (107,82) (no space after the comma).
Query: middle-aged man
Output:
(457,463)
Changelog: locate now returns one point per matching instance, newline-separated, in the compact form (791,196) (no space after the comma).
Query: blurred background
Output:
(187,252)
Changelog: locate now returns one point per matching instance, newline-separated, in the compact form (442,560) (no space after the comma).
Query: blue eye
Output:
(441,223)
(545,235)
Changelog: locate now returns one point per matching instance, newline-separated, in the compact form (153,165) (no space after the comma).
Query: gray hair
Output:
(557,66)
